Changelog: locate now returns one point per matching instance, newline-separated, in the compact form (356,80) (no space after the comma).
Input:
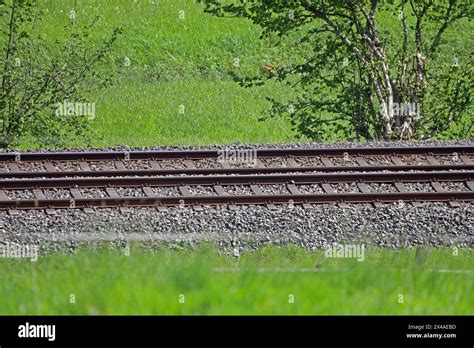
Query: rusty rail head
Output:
(130,181)
(227,171)
(241,200)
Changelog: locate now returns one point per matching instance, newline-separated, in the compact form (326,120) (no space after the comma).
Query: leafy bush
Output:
(373,69)
(44,84)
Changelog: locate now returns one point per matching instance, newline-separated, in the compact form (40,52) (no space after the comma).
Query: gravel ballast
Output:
(248,227)
(234,146)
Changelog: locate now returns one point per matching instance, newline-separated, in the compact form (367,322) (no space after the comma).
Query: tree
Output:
(38,77)
(370,68)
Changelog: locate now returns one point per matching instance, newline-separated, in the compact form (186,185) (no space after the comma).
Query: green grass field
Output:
(270,281)
(177,89)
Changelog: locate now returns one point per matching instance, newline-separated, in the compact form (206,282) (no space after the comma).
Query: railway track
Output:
(208,177)
(214,162)
(205,154)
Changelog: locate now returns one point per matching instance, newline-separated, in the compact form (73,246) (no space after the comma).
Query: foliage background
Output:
(187,62)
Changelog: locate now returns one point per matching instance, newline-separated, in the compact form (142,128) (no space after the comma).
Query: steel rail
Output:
(237,200)
(229,171)
(377,177)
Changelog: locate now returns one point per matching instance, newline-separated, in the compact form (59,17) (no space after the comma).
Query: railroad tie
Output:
(221,192)
(225,164)
(439,188)
(4,196)
(119,165)
(49,167)
(328,189)
(189,164)
(361,162)
(76,194)
(258,192)
(259,163)
(402,188)
(294,191)
(397,161)
(432,160)
(148,191)
(111,192)
(154,165)
(14,167)
(327,162)
(292,162)
(185,192)
(364,188)
(39,194)
(84,166)
(470,184)
(466,159)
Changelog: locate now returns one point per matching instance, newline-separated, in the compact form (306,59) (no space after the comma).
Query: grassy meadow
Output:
(172,84)
(273,280)
(172,65)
